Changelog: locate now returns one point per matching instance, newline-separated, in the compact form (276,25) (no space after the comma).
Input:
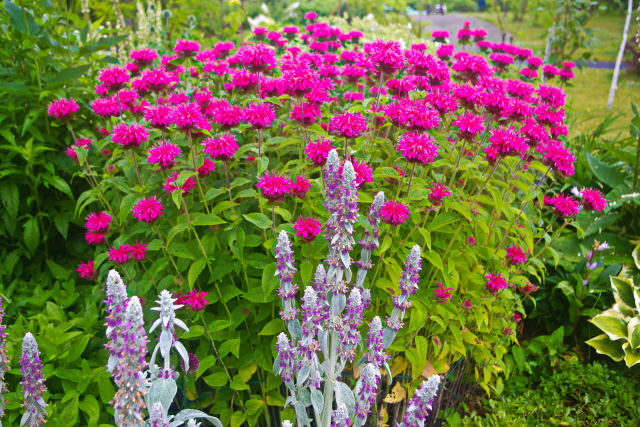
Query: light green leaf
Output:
(272,328)
(611,324)
(195,270)
(258,219)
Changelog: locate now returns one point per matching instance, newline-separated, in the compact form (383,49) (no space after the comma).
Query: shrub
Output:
(198,166)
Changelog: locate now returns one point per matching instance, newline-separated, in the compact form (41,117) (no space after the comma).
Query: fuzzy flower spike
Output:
(167,319)
(420,404)
(32,384)
(129,400)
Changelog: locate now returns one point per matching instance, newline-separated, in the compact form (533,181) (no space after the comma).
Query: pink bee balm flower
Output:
(385,56)
(274,187)
(129,136)
(348,125)
(318,151)
(593,200)
(418,147)
(147,210)
(94,238)
(207,167)
(98,222)
(170,184)
(363,171)
(63,108)
(310,16)
(469,126)
(257,58)
(260,116)
(437,193)
(565,205)
(394,213)
(194,299)
(307,228)
(139,251)
(515,255)
(300,186)
(187,116)
(222,147)
(164,154)
(471,241)
(442,294)
(87,270)
(142,57)
(113,78)
(466,304)
(186,47)
(120,254)
(495,283)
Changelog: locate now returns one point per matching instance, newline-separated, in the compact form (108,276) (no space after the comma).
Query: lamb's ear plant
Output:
(324,334)
(154,388)
(33,387)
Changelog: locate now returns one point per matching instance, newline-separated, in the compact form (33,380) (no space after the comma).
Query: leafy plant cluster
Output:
(197,159)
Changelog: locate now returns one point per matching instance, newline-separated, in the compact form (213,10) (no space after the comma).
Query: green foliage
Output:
(621,323)
(571,394)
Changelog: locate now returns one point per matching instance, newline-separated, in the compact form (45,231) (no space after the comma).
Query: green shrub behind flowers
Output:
(205,154)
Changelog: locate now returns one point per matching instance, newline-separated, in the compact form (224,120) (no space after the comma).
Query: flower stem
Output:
(226,175)
(455,169)
(413,171)
(194,154)
(135,165)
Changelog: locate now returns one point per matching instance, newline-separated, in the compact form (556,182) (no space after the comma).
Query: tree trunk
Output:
(616,71)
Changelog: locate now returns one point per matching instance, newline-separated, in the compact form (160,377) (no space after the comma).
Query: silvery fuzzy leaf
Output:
(323,339)
(348,274)
(154,325)
(183,353)
(345,258)
(295,330)
(180,324)
(338,303)
(301,414)
(303,374)
(189,414)
(162,390)
(111,363)
(349,227)
(317,401)
(388,337)
(304,397)
(276,365)
(289,401)
(386,366)
(165,321)
(165,343)
(152,361)
(345,396)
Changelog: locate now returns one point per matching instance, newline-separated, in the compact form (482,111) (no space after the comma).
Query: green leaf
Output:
(195,270)
(254,406)
(91,407)
(611,324)
(631,356)
(31,234)
(205,364)
(217,379)
(258,219)
(272,328)
(306,272)
(207,219)
(10,199)
(636,256)
(633,329)
(21,19)
(434,259)
(71,73)
(269,279)
(623,291)
(238,384)
(57,270)
(610,175)
(230,346)
(238,418)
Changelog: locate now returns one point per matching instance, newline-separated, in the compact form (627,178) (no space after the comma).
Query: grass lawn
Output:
(588,97)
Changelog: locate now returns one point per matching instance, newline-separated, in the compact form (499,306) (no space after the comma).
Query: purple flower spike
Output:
(408,287)
(32,384)
(420,404)
(128,402)
(116,292)
(366,393)
(286,270)
(376,354)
